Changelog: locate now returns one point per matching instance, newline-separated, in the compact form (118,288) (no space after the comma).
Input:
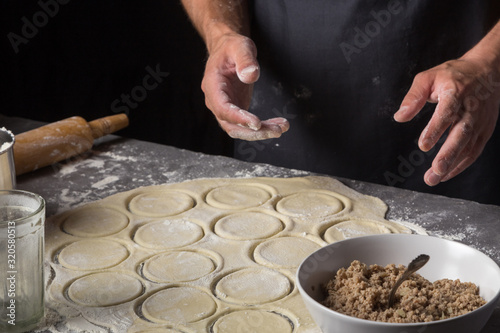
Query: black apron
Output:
(338,71)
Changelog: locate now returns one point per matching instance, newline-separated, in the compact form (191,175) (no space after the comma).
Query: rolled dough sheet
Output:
(209,255)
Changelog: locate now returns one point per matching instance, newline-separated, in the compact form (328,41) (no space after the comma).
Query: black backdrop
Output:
(61,58)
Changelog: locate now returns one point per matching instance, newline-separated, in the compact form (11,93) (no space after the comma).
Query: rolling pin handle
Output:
(107,125)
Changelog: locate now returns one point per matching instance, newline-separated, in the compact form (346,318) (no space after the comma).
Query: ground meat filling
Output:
(363,292)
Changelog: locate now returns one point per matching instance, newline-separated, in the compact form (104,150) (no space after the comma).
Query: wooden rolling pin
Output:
(61,140)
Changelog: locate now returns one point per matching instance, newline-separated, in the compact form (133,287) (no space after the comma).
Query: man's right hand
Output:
(230,73)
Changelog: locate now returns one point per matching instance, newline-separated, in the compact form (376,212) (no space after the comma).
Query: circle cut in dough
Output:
(354,228)
(253,321)
(237,197)
(311,204)
(248,226)
(92,254)
(95,222)
(284,252)
(179,305)
(161,203)
(168,234)
(104,289)
(177,267)
(253,286)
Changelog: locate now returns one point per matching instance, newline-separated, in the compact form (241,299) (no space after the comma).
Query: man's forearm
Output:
(215,18)
(488,49)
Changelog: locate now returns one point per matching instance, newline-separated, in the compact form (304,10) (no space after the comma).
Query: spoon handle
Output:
(392,296)
(414,266)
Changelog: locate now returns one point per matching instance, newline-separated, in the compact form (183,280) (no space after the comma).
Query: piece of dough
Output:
(201,255)
(104,289)
(95,222)
(248,225)
(252,321)
(178,266)
(237,197)
(284,252)
(168,234)
(354,228)
(161,203)
(179,305)
(311,204)
(92,254)
(253,286)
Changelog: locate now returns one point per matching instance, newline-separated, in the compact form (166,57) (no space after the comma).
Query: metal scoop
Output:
(414,266)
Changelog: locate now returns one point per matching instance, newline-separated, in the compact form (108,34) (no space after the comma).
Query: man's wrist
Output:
(215,30)
(487,51)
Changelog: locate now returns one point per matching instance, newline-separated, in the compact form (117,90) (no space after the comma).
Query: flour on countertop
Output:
(261,170)
(415,228)
(71,167)
(117,157)
(67,320)
(105,182)
(433,223)
(69,200)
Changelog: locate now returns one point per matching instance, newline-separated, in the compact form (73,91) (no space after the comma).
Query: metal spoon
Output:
(414,266)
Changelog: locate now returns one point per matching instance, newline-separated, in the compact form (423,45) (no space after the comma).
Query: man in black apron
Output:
(339,70)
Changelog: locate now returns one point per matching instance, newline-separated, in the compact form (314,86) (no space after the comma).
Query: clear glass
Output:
(22,219)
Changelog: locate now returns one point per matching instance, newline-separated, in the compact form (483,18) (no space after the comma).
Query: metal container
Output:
(7,169)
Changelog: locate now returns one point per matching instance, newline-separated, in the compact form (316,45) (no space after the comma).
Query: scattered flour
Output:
(117,157)
(64,320)
(68,200)
(263,170)
(71,167)
(105,182)
(454,237)
(415,228)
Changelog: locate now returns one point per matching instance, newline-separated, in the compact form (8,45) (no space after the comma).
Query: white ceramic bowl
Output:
(449,259)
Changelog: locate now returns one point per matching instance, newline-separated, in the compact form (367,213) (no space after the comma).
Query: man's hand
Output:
(230,72)
(231,68)
(467,93)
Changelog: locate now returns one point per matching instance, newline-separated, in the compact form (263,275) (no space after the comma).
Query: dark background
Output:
(90,53)
(86,55)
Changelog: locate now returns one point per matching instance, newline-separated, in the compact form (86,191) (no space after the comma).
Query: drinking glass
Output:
(22,219)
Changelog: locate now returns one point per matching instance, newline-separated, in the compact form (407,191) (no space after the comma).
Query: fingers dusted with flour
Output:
(226,95)
(231,69)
